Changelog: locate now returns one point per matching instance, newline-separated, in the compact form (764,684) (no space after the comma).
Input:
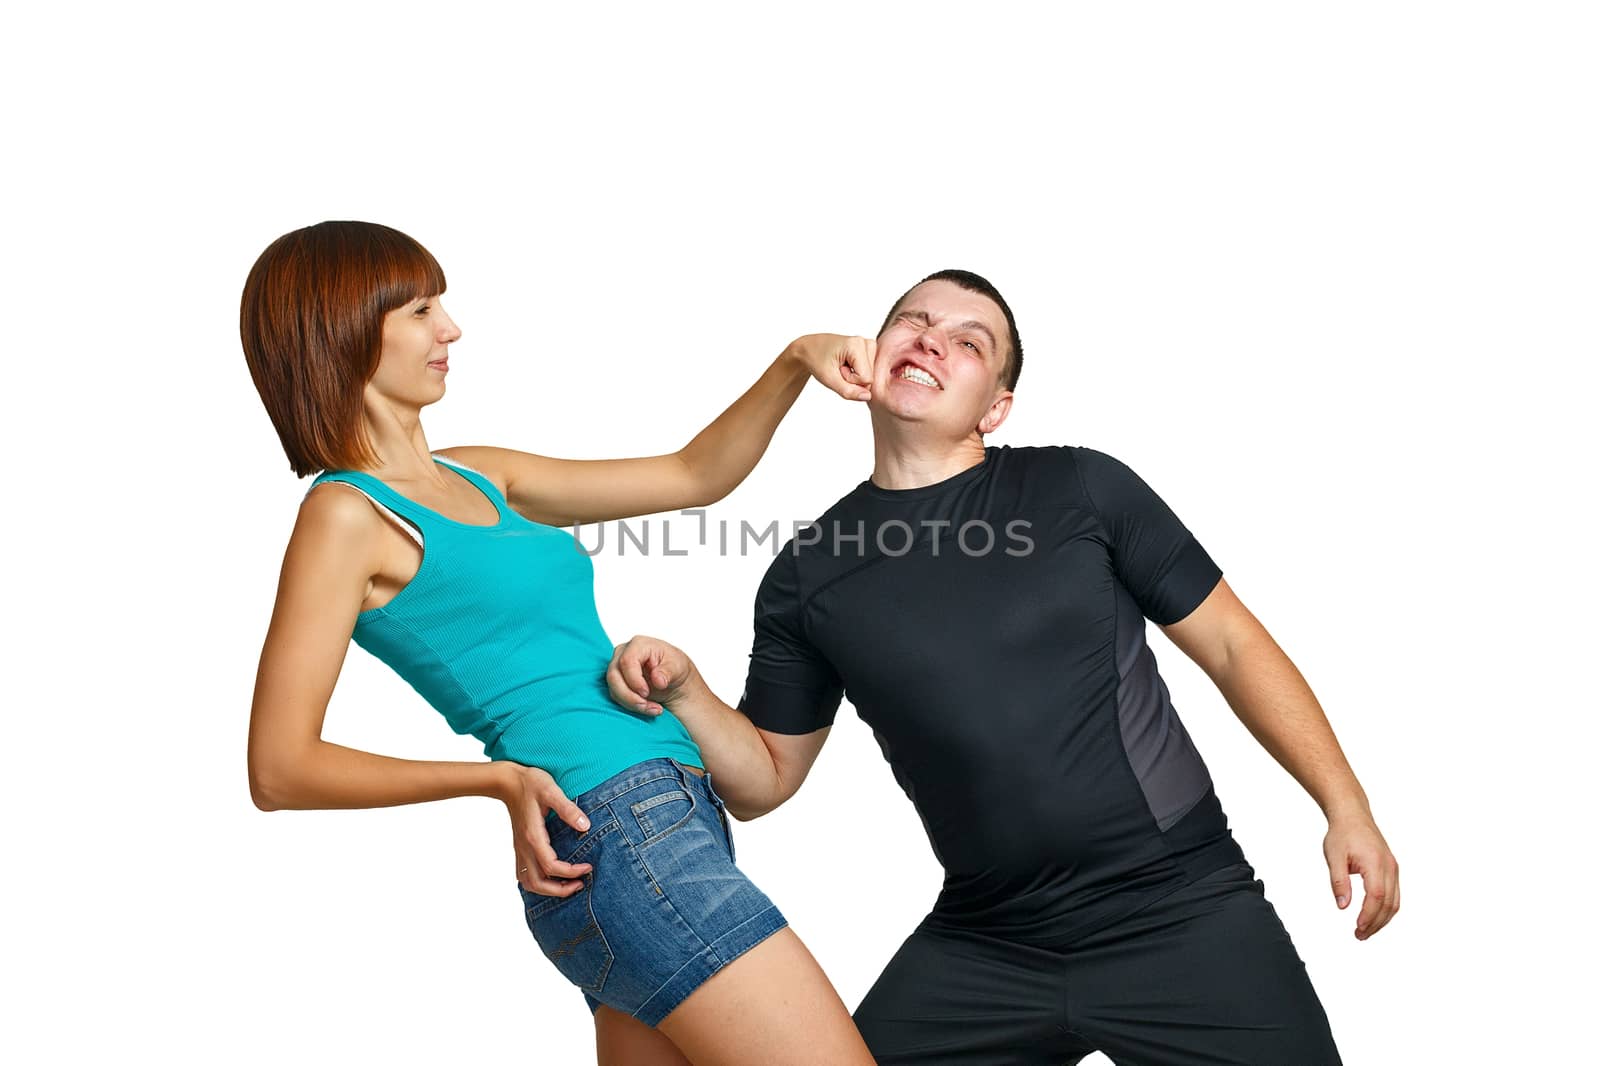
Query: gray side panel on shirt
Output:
(1164,760)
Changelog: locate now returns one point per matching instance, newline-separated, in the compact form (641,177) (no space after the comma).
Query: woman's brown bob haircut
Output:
(311,320)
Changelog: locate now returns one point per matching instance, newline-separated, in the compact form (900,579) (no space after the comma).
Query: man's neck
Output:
(910,464)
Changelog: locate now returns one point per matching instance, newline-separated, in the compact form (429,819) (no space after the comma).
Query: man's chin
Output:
(899,412)
(894,417)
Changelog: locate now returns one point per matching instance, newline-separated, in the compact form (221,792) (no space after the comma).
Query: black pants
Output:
(1206,974)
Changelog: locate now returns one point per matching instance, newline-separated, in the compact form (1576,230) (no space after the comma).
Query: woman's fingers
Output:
(855,369)
(547,886)
(538,869)
(863,352)
(554,799)
(545,861)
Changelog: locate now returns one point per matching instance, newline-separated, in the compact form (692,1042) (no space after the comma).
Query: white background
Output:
(1325,276)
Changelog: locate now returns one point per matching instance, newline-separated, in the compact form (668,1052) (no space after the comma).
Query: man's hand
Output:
(1354,845)
(645,674)
(533,795)
(844,364)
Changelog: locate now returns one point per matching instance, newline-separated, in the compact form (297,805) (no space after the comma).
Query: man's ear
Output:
(996,413)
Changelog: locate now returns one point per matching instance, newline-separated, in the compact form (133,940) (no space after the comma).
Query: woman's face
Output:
(415,356)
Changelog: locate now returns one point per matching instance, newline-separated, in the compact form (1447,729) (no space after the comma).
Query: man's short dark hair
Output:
(974,283)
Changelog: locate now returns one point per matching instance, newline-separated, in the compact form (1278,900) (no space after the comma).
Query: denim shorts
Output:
(664,907)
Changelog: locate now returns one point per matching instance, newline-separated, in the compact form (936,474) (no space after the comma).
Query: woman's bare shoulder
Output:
(337,503)
(338,519)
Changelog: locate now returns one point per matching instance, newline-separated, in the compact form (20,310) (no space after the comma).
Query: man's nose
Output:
(930,344)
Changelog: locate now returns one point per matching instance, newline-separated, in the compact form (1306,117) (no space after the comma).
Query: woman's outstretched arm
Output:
(567,491)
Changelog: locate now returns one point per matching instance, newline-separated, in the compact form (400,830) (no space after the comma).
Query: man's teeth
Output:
(920,376)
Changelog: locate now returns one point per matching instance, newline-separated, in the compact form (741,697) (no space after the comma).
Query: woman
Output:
(451,567)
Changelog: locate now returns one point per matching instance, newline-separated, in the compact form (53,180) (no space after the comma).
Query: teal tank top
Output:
(498,631)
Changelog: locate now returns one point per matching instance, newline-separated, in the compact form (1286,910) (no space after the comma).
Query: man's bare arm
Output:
(1277,706)
(755,770)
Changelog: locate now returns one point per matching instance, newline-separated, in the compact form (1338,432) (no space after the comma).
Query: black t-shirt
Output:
(990,629)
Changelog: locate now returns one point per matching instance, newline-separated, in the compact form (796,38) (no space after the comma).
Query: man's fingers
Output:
(619,690)
(1391,895)
(1372,905)
(633,676)
(1341,886)
(664,674)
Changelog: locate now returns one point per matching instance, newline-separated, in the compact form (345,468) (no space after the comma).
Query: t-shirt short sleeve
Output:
(791,688)
(1155,556)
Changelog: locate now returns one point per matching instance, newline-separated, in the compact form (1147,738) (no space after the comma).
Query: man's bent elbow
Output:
(747,813)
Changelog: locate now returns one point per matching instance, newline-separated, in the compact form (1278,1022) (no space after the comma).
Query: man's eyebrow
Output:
(987,332)
(994,345)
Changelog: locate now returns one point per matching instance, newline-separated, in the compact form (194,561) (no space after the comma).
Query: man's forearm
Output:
(746,777)
(1275,703)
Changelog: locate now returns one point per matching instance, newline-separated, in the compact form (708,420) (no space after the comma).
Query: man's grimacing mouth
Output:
(908,367)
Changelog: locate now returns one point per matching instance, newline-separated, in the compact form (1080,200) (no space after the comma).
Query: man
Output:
(984,610)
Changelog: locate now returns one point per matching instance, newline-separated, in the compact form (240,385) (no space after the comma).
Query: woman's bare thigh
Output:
(771,1005)
(623,1040)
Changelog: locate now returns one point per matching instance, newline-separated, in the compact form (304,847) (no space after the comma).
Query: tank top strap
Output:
(411,517)
(481,480)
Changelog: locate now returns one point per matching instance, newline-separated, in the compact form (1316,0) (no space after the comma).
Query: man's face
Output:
(940,358)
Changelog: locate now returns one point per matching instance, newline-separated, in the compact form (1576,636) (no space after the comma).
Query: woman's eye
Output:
(422,310)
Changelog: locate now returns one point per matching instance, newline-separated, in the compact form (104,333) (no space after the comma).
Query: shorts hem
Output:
(694,973)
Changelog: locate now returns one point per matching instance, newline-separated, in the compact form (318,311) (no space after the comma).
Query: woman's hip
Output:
(663,906)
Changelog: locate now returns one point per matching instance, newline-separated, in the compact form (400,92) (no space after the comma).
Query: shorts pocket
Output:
(662,813)
(566,931)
